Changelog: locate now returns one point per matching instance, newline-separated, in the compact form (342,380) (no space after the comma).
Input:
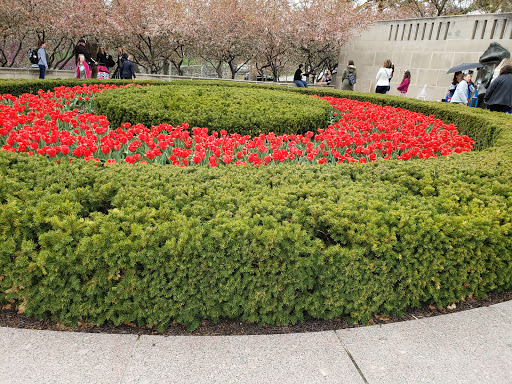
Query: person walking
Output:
(41,60)
(297,78)
(460,96)
(349,77)
(384,77)
(499,94)
(82,68)
(127,67)
(404,85)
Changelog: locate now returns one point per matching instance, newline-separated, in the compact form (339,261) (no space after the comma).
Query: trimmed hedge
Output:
(247,111)
(17,87)
(153,245)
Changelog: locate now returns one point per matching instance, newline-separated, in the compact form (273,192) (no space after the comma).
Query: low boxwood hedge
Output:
(247,111)
(153,245)
(16,87)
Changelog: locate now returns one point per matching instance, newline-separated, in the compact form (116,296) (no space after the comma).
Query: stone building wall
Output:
(426,47)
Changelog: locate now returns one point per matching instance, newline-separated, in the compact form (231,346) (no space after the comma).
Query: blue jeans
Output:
(301,83)
(42,71)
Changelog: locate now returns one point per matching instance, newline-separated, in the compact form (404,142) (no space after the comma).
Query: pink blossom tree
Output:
(57,22)
(13,32)
(226,32)
(322,27)
(155,31)
(275,37)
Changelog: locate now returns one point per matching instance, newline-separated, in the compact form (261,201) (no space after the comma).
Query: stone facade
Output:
(426,47)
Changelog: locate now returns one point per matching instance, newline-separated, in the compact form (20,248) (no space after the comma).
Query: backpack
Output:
(351,78)
(33,56)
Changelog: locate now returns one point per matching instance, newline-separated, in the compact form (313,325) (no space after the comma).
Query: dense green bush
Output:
(247,111)
(152,244)
(17,87)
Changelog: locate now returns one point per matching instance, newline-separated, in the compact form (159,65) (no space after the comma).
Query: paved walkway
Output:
(465,347)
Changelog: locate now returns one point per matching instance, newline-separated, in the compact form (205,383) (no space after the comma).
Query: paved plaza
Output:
(466,347)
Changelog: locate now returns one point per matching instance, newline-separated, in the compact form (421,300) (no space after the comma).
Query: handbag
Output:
(110,61)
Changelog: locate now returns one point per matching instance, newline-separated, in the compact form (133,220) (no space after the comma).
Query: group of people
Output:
(461,88)
(384,76)
(498,95)
(349,78)
(104,62)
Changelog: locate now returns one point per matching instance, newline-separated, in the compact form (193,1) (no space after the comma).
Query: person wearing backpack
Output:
(32,56)
(349,77)
(41,60)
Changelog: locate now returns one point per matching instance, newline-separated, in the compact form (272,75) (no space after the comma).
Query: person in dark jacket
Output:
(103,58)
(127,67)
(297,78)
(81,50)
(499,94)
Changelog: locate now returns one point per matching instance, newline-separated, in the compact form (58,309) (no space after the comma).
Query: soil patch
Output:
(9,317)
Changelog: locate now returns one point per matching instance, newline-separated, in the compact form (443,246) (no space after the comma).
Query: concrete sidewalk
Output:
(466,347)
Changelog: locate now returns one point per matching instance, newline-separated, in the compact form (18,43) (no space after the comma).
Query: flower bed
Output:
(153,245)
(59,124)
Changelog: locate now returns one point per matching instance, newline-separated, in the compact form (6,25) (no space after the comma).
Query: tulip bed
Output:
(153,244)
(59,124)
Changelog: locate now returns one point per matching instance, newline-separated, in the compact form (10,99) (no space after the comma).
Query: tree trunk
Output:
(177,65)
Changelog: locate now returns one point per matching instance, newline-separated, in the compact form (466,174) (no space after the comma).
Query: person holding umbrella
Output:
(460,96)
(457,77)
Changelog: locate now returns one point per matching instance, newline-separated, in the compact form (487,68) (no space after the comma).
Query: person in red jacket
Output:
(82,68)
(404,85)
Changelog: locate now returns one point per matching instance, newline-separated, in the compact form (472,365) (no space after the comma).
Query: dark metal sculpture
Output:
(490,59)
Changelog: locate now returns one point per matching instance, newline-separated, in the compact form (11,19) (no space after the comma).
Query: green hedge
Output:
(153,245)
(16,87)
(247,111)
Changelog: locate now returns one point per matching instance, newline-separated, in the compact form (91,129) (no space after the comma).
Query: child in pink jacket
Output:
(82,68)
(404,85)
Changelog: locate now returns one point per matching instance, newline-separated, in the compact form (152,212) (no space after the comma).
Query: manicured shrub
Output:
(246,111)
(17,87)
(154,244)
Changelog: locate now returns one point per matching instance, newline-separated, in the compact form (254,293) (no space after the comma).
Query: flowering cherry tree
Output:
(225,32)
(322,27)
(275,37)
(273,34)
(13,31)
(156,32)
(58,22)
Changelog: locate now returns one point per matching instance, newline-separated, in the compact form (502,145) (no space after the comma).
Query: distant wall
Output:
(427,47)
